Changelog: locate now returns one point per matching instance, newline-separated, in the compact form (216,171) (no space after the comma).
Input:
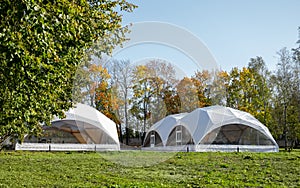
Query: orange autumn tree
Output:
(201,81)
(97,75)
(187,92)
(105,101)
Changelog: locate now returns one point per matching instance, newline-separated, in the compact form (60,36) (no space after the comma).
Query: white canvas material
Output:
(89,127)
(85,116)
(203,121)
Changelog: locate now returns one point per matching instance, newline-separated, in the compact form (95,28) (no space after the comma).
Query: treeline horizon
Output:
(136,97)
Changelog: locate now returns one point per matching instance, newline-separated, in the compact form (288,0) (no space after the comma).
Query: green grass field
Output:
(117,169)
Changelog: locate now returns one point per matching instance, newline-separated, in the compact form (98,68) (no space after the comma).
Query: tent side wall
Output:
(236,148)
(236,134)
(66,147)
(235,137)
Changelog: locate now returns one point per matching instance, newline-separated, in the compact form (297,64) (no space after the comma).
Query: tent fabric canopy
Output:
(165,126)
(213,125)
(93,126)
(82,125)
(83,129)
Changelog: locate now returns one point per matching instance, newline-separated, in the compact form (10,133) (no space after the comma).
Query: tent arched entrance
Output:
(153,139)
(179,136)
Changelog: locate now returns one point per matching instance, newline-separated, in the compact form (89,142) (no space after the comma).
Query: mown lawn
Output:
(81,169)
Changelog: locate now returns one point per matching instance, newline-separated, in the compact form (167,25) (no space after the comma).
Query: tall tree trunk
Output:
(126,119)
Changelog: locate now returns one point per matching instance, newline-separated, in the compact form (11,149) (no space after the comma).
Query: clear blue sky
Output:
(233,30)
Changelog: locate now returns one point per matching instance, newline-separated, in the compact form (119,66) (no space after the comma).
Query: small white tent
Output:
(83,128)
(214,128)
(158,133)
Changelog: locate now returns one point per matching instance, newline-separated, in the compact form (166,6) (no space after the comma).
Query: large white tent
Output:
(214,128)
(83,128)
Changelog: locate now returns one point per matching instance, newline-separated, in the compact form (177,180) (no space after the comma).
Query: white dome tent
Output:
(158,133)
(214,128)
(83,128)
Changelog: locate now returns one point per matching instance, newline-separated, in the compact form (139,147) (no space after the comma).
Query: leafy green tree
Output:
(248,90)
(262,95)
(80,85)
(42,44)
(286,97)
(296,92)
(234,89)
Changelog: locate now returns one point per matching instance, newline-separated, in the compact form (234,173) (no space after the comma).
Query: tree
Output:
(187,92)
(80,85)
(284,82)
(142,94)
(121,79)
(247,90)
(262,97)
(171,100)
(202,82)
(162,79)
(87,79)
(42,44)
(234,89)
(152,84)
(104,100)
(219,88)
(296,91)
